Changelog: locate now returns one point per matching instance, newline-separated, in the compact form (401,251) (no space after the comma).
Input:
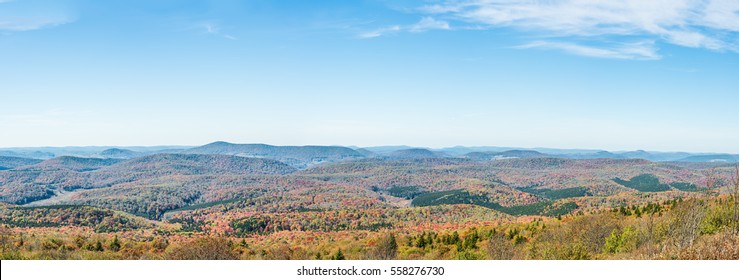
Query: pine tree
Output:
(339,256)
(98,246)
(115,245)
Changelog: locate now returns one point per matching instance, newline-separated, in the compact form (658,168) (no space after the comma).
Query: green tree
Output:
(208,248)
(387,247)
(115,245)
(98,246)
(339,255)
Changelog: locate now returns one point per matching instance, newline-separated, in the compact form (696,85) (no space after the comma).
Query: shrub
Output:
(207,248)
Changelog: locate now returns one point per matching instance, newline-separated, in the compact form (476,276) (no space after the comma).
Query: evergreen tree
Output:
(98,246)
(387,247)
(115,245)
(339,255)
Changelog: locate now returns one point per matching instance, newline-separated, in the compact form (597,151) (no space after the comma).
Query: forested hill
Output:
(72,163)
(13,162)
(44,180)
(119,153)
(194,164)
(505,155)
(415,153)
(297,156)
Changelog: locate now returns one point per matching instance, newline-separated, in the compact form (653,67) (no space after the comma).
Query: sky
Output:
(657,75)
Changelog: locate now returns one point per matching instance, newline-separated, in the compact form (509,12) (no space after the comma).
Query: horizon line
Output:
(361,147)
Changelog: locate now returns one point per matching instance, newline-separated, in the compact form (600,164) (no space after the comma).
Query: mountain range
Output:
(307,156)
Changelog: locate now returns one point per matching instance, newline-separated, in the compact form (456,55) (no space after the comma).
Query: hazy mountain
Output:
(554,151)
(298,156)
(505,155)
(600,154)
(387,149)
(461,150)
(82,151)
(415,153)
(5,153)
(72,163)
(119,153)
(365,152)
(27,154)
(654,156)
(711,158)
(197,164)
(13,162)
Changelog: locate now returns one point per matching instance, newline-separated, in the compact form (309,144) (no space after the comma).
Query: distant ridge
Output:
(119,153)
(27,154)
(711,158)
(416,153)
(297,156)
(72,163)
(505,155)
(307,156)
(13,162)
(601,154)
(193,164)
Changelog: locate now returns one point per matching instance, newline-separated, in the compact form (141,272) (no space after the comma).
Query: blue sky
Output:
(656,75)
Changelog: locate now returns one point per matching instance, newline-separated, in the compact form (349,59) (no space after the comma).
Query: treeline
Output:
(557,194)
(100,220)
(675,229)
(545,208)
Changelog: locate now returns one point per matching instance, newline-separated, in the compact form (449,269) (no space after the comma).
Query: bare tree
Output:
(735,197)
(500,248)
(711,180)
(386,249)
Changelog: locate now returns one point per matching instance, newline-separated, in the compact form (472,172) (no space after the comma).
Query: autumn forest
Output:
(254,201)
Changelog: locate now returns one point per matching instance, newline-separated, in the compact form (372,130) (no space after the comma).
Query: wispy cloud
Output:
(425,24)
(641,50)
(381,31)
(428,23)
(708,24)
(31,23)
(214,29)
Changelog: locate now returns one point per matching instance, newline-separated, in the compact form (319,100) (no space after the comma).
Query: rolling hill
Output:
(119,153)
(711,158)
(415,153)
(505,155)
(72,163)
(196,164)
(297,156)
(13,162)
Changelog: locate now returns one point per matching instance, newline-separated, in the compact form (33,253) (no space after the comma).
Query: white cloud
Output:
(210,28)
(215,29)
(425,24)
(639,50)
(381,32)
(709,24)
(428,23)
(31,23)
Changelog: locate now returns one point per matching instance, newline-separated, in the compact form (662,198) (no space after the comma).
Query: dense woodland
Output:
(267,202)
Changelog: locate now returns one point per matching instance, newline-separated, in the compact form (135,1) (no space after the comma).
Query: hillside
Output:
(196,164)
(13,162)
(253,200)
(719,158)
(297,156)
(597,155)
(654,156)
(119,153)
(65,174)
(415,153)
(505,155)
(72,163)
